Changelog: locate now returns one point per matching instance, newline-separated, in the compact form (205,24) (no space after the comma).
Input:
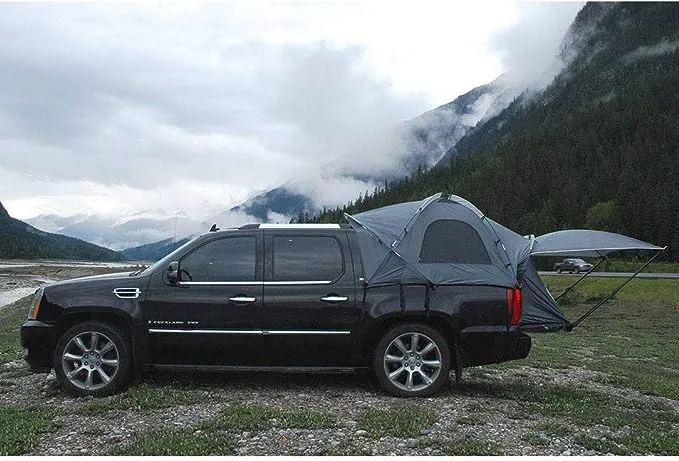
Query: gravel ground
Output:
(467,412)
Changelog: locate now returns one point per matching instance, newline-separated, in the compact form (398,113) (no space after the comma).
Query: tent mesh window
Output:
(453,241)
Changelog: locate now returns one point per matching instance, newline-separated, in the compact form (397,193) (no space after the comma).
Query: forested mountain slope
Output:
(599,148)
(18,240)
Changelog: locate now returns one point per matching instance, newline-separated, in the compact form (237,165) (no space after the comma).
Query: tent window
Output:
(453,241)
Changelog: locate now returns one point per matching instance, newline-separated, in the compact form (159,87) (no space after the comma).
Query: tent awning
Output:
(586,243)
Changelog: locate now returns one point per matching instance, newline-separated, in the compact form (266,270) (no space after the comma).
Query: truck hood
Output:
(123,277)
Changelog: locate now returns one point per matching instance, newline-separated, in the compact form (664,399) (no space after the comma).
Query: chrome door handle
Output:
(334,299)
(242,299)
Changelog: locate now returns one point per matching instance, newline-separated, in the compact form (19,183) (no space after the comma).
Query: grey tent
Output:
(445,240)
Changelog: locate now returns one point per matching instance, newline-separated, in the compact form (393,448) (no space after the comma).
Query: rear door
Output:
(310,306)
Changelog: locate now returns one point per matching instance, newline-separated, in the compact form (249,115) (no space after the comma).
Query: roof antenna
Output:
(214,228)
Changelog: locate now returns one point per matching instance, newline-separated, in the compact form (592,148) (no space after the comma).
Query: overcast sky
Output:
(122,109)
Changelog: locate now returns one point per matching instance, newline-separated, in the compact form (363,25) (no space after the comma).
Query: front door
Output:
(310,305)
(212,316)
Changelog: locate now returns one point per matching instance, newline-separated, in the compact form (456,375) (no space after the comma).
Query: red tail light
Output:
(514,309)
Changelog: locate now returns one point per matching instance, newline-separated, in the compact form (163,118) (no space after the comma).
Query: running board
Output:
(231,368)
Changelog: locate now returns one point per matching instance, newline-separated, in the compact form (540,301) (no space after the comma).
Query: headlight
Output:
(33,311)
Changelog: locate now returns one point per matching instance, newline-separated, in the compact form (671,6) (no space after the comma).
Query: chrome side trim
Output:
(307,332)
(218,332)
(187,284)
(127,293)
(301,282)
(293,282)
(253,332)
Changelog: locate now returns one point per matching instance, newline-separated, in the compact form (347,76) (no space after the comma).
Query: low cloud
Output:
(663,47)
(530,49)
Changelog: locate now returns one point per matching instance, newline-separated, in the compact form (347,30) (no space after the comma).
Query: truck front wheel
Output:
(93,358)
(412,360)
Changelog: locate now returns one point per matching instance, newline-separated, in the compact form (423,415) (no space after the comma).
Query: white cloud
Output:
(121,109)
(530,46)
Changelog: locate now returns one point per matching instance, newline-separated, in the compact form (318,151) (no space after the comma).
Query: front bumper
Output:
(37,341)
(481,348)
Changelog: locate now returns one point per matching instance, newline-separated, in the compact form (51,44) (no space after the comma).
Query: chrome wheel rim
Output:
(412,362)
(90,360)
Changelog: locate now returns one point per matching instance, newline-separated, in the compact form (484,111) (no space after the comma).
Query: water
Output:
(8,297)
(6,264)
(27,284)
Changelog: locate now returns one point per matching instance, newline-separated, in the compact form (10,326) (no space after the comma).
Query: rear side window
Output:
(298,258)
(453,241)
(225,260)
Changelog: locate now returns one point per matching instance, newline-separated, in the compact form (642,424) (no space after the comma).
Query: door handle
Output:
(242,299)
(332,298)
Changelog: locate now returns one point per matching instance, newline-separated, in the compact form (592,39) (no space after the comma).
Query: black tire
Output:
(96,361)
(558,270)
(380,365)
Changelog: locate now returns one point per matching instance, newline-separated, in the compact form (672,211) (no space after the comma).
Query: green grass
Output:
(552,429)
(20,428)
(632,338)
(536,439)
(177,442)
(254,418)
(470,447)
(471,420)
(653,426)
(11,318)
(216,436)
(601,445)
(144,396)
(397,422)
(613,265)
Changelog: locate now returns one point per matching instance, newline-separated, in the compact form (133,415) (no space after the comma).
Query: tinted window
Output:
(306,259)
(223,260)
(452,241)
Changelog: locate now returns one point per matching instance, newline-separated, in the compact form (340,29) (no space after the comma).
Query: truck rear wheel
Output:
(412,360)
(93,358)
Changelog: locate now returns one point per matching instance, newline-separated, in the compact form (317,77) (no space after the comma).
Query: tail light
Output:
(514,309)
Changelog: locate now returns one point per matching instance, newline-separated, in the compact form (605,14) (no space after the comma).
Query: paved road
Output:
(645,275)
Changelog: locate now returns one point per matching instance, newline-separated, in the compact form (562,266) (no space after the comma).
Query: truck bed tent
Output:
(445,240)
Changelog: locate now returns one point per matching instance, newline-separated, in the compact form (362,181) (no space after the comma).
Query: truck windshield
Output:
(167,259)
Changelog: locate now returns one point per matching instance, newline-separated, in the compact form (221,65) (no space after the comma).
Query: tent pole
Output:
(580,279)
(600,303)
(389,250)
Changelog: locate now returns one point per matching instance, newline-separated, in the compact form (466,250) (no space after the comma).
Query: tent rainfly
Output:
(445,240)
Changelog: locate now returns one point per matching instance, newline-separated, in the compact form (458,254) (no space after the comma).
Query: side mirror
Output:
(173,272)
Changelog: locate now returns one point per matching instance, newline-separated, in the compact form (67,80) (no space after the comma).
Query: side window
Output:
(453,241)
(297,258)
(229,259)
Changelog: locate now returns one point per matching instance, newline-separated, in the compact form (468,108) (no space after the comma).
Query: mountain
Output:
(116,233)
(19,240)
(598,148)
(421,142)
(153,251)
(280,201)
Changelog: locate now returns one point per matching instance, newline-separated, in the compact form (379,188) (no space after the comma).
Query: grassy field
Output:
(634,337)
(610,386)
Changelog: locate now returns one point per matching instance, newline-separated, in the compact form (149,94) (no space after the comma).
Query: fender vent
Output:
(127,293)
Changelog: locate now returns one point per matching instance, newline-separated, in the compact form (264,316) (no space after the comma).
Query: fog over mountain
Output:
(218,111)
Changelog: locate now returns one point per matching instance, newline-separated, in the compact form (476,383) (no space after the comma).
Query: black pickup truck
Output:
(275,297)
